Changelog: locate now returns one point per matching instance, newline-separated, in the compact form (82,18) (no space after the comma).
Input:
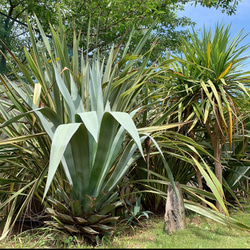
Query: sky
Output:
(210,16)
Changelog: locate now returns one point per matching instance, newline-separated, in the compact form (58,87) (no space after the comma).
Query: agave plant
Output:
(91,146)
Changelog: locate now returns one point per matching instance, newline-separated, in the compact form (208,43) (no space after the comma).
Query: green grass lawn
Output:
(200,233)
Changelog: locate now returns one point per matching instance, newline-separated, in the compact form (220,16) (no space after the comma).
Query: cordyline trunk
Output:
(217,138)
(218,168)
(198,173)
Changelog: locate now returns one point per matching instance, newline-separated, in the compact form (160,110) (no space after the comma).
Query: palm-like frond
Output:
(210,80)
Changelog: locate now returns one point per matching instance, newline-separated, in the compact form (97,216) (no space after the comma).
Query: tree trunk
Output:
(198,173)
(6,39)
(175,212)
(3,62)
(218,171)
(217,139)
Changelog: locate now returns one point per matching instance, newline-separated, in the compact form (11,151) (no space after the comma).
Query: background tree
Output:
(110,20)
(13,30)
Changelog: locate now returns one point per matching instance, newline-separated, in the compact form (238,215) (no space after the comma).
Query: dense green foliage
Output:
(111,21)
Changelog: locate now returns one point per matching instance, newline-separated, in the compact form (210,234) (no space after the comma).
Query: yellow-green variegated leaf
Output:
(213,184)
(20,138)
(152,129)
(225,71)
(180,111)
(208,54)
(218,99)
(206,111)
(36,98)
(37,94)
(214,215)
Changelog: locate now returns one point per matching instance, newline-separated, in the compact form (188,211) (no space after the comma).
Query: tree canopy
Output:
(111,20)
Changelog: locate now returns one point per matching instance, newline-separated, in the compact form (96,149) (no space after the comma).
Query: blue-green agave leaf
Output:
(60,141)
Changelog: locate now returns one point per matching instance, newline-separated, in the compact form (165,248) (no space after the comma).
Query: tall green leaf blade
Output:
(126,160)
(127,126)
(107,133)
(67,97)
(60,141)
(28,100)
(20,138)
(218,98)
(91,122)
(34,67)
(95,88)
(209,213)
(116,146)
(45,39)
(76,98)
(169,173)
(35,49)
(80,151)
(127,123)
(213,183)
(75,57)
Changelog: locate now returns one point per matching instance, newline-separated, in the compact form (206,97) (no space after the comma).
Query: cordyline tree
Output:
(110,20)
(213,80)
